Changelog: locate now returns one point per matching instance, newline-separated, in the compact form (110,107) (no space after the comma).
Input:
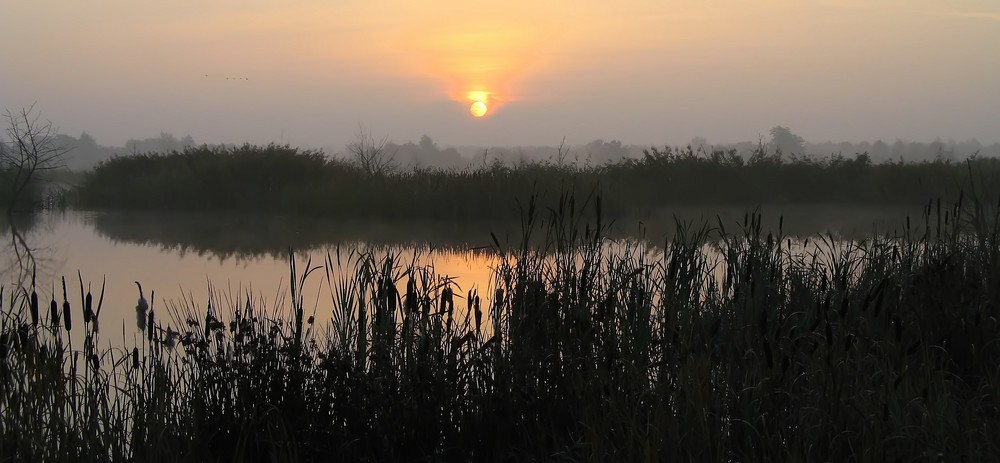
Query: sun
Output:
(478,109)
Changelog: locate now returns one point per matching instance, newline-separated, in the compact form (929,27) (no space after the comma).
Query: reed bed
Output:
(727,344)
(284,180)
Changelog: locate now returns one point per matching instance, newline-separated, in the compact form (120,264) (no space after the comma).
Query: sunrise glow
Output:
(481,61)
(478,109)
(227,71)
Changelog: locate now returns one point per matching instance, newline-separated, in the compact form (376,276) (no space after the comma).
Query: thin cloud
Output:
(848,4)
(988,15)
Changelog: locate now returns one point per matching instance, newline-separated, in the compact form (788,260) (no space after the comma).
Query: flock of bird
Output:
(234,78)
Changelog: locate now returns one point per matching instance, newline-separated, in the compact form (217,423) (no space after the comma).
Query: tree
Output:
(699,143)
(427,146)
(31,149)
(880,150)
(787,142)
(370,154)
(87,141)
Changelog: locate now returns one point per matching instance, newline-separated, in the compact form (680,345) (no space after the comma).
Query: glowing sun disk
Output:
(478,109)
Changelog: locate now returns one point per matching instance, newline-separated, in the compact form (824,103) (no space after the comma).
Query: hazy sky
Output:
(647,72)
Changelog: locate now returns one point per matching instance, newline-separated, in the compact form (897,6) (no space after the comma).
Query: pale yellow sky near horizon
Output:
(647,72)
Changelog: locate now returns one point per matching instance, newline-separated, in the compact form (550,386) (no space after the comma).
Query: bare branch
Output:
(370,154)
(32,148)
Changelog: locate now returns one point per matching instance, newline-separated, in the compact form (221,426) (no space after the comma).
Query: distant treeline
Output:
(85,152)
(287,180)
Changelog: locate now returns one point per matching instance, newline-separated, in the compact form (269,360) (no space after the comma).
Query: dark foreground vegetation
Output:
(285,180)
(729,345)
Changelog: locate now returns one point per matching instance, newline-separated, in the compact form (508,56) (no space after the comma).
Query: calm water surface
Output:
(186,258)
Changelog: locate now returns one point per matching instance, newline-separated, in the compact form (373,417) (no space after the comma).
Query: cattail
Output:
(448,305)
(67,316)
(54,312)
(34,304)
(411,295)
(468,308)
(152,327)
(498,302)
(447,301)
(135,358)
(140,310)
(479,313)
(88,309)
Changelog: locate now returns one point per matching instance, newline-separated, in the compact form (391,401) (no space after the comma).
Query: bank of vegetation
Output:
(285,180)
(729,345)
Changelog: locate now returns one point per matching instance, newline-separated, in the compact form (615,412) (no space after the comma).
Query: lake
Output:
(186,258)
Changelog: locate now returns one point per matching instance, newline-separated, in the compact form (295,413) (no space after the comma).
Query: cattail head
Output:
(447,300)
(67,316)
(140,319)
(34,308)
(54,313)
(152,327)
(88,307)
(479,313)
(140,310)
(411,295)
(209,320)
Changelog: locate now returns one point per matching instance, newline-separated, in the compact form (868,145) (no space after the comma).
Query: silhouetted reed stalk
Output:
(728,344)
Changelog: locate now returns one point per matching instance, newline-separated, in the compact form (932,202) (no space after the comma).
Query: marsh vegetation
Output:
(283,180)
(727,344)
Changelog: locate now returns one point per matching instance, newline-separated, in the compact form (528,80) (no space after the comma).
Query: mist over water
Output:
(499,231)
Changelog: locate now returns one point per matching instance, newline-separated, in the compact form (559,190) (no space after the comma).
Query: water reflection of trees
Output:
(19,253)
(226,236)
(250,237)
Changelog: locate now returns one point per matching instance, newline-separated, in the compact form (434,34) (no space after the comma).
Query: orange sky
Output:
(307,72)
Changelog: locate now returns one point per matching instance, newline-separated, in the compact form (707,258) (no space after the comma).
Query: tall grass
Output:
(724,345)
(285,180)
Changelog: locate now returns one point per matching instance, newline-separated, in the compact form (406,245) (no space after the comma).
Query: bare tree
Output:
(370,154)
(31,149)
(561,153)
